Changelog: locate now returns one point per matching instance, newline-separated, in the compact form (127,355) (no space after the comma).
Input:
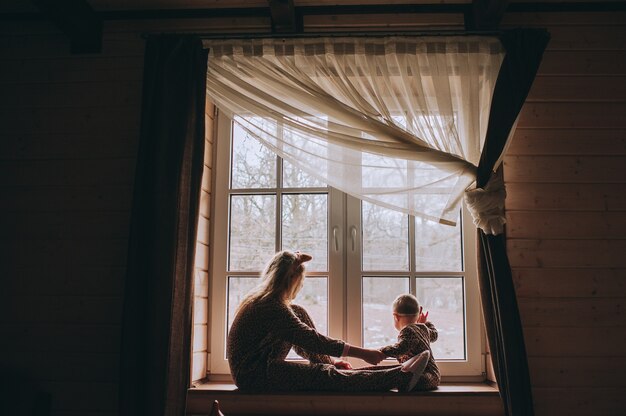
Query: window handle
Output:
(353,235)
(335,238)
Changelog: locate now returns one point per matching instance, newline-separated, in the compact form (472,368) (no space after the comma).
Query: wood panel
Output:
(567,142)
(566,225)
(566,197)
(75,280)
(581,401)
(607,169)
(42,309)
(82,396)
(599,115)
(582,341)
(67,366)
(42,338)
(67,172)
(577,372)
(91,225)
(72,199)
(536,283)
(578,89)
(567,253)
(564,312)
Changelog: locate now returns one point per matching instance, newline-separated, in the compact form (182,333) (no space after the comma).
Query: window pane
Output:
(378,296)
(305,227)
(253,165)
(252,231)
(385,238)
(438,246)
(294,177)
(238,288)
(443,298)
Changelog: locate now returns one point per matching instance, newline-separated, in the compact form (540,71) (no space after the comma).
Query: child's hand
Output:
(422,318)
(342,365)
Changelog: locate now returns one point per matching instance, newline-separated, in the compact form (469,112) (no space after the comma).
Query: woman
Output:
(267,326)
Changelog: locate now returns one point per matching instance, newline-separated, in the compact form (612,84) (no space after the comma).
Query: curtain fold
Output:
(524,50)
(397,121)
(156,326)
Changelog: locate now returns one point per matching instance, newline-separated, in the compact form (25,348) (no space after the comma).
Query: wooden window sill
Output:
(469,399)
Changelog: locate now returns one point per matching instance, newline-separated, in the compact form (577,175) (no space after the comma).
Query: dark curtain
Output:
(524,50)
(156,327)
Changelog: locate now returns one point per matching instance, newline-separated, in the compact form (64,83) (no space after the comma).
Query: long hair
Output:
(281,279)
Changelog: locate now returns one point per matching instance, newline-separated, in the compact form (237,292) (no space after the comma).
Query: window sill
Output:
(469,399)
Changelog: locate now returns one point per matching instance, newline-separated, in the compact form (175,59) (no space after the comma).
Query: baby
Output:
(415,336)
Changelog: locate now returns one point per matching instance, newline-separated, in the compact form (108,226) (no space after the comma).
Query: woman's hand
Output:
(372,357)
(342,365)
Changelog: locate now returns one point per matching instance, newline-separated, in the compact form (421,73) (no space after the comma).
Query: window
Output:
(364,255)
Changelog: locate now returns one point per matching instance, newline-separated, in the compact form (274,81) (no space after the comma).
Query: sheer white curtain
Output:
(397,121)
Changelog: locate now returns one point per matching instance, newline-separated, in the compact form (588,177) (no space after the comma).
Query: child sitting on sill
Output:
(415,336)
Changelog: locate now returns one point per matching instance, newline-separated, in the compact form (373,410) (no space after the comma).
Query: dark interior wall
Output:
(69,127)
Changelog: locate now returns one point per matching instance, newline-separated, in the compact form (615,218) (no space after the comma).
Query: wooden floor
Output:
(450,399)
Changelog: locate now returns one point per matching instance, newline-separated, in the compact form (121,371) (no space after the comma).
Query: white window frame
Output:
(344,295)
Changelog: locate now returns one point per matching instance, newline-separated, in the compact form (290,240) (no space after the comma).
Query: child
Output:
(416,334)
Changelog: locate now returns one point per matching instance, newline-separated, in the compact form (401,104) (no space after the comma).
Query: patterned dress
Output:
(260,339)
(412,340)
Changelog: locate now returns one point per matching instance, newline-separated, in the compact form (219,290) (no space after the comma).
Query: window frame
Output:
(342,212)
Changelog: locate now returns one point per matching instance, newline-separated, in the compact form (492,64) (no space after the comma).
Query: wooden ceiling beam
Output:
(283,16)
(77,20)
(485,14)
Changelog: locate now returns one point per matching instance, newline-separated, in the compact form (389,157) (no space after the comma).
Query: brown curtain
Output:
(156,327)
(524,50)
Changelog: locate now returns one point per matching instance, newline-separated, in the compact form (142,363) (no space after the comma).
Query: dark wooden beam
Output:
(77,20)
(283,15)
(485,14)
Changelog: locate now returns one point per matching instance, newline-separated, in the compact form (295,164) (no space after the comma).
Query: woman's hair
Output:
(281,279)
(406,305)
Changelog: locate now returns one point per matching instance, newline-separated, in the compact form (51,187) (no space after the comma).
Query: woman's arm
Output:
(285,325)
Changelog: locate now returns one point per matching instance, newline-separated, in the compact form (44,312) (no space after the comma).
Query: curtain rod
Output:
(306,35)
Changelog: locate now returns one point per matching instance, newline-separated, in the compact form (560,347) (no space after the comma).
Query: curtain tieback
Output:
(487,205)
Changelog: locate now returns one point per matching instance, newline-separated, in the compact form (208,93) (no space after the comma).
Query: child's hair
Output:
(406,305)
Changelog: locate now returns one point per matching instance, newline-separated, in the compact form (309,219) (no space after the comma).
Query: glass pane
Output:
(385,238)
(238,288)
(253,165)
(294,177)
(378,296)
(443,298)
(314,298)
(305,227)
(252,231)
(438,247)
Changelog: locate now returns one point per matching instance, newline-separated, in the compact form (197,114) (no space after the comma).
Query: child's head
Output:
(405,310)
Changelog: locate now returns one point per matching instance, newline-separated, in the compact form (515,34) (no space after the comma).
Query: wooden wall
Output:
(566,210)
(69,129)
(201,277)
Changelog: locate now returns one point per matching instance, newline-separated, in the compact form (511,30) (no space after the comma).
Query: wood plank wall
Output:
(69,127)
(69,130)
(201,277)
(566,210)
